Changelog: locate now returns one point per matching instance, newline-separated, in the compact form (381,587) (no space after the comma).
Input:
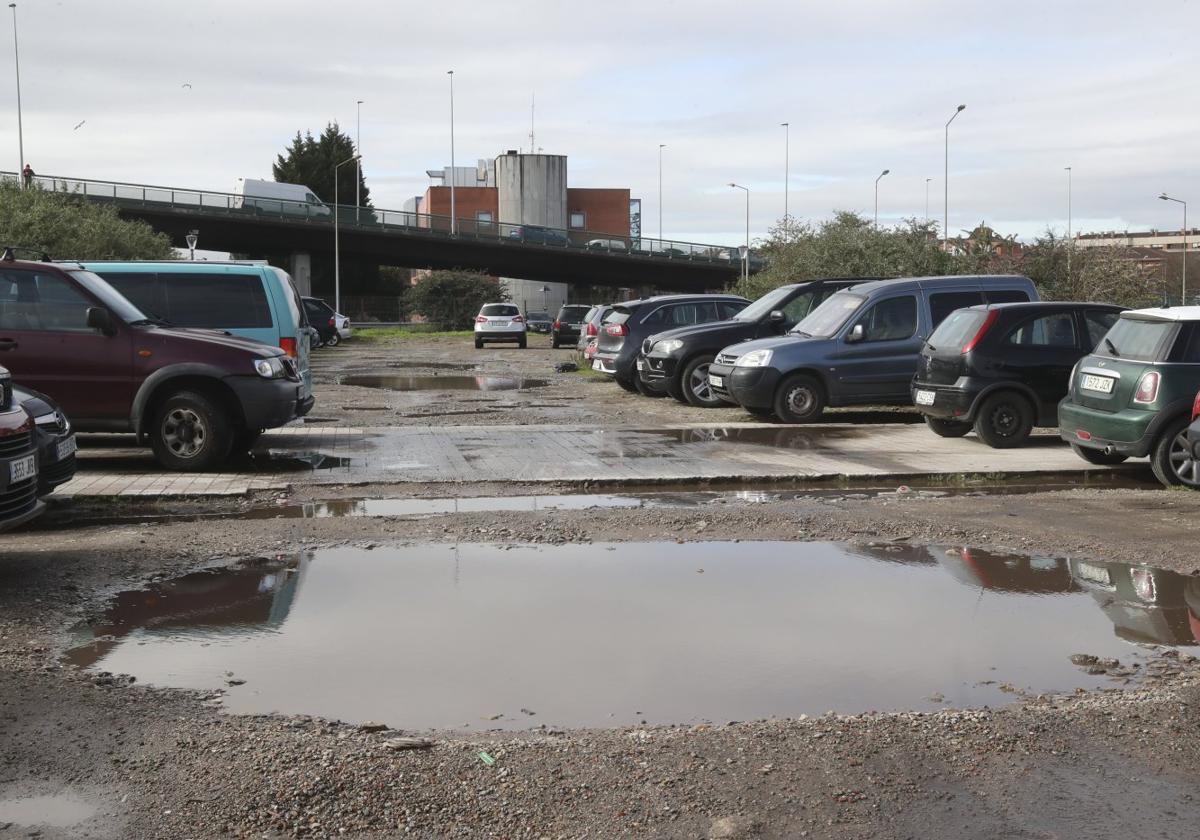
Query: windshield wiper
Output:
(800,332)
(1112,346)
(153,322)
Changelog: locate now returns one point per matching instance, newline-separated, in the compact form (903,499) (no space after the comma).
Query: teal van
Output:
(247,299)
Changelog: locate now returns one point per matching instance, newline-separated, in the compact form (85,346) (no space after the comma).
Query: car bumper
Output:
(18,500)
(605,363)
(345,333)
(1128,432)
(566,334)
(657,371)
(949,403)
(748,387)
(267,403)
(54,470)
(500,335)
(539,328)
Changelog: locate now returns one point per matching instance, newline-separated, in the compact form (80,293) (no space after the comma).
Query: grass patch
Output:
(413,331)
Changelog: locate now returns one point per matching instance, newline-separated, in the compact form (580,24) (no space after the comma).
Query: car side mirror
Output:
(776,317)
(857,333)
(99,318)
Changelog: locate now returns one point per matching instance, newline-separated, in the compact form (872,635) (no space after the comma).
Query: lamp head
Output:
(884,172)
(1165,197)
(961,108)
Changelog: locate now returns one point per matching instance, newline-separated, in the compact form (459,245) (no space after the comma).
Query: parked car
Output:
(568,325)
(607,245)
(859,347)
(1133,396)
(193,395)
(53,437)
(1003,368)
(18,460)
(625,327)
(539,322)
(676,362)
(333,327)
(251,300)
(592,322)
(538,235)
(499,322)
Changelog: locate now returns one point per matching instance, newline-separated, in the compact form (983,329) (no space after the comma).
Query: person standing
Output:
(27,175)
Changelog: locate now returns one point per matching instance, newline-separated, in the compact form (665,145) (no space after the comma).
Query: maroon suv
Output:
(192,394)
(18,460)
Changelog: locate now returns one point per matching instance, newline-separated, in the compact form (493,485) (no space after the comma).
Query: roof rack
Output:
(10,253)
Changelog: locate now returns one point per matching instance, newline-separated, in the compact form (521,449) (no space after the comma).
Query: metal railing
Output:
(352,217)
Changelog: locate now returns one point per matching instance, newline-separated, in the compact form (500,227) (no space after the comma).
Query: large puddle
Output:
(55,810)
(484,636)
(399,382)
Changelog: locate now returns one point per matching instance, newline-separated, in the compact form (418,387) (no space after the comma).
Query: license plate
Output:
(1094,574)
(926,397)
(66,447)
(641,364)
(499,323)
(716,381)
(1102,384)
(597,366)
(22,469)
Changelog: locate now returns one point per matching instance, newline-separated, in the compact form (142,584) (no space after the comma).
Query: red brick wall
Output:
(467,202)
(606,211)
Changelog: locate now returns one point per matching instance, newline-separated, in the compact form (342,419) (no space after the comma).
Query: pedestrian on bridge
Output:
(27,173)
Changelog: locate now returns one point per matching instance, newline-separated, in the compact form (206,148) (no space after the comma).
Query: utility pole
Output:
(1070,241)
(787,153)
(453,222)
(946,185)
(358,169)
(661,146)
(881,174)
(20,127)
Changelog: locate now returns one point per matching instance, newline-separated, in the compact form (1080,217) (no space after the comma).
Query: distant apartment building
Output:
(1168,240)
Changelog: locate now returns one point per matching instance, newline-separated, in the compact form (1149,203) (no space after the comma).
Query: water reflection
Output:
(398,382)
(1144,604)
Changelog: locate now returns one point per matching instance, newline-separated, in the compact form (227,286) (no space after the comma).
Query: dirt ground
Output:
(156,762)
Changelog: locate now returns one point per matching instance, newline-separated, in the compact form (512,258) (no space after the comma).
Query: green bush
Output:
(451,299)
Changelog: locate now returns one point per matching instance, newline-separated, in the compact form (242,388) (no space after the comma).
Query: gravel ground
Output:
(167,763)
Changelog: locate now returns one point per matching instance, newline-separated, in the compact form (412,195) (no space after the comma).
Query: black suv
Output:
(677,361)
(628,323)
(568,325)
(1003,368)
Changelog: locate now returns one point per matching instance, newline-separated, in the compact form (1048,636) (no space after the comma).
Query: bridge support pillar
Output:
(301,271)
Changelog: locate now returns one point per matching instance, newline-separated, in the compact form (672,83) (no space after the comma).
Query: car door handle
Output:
(7,344)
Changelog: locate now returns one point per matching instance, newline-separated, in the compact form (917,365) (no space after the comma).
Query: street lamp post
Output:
(927,180)
(20,127)
(661,146)
(946,185)
(192,238)
(1070,241)
(337,254)
(787,153)
(453,223)
(358,151)
(881,174)
(1183,290)
(746,258)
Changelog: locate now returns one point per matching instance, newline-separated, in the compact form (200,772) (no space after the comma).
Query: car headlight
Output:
(668,346)
(755,358)
(271,368)
(55,421)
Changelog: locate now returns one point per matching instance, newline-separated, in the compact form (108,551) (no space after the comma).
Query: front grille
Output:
(6,394)
(59,472)
(289,368)
(18,498)
(14,444)
(726,358)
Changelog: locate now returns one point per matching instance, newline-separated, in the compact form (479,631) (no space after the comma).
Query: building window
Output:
(578,220)
(483,219)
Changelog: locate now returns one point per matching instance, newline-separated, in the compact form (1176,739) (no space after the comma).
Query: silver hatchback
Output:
(500,322)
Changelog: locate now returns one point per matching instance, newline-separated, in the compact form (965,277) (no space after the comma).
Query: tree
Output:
(452,298)
(71,227)
(310,161)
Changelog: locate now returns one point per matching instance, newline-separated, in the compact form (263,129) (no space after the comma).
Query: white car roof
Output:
(1174,313)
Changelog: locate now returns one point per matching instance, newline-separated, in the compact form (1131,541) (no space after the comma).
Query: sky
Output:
(198,94)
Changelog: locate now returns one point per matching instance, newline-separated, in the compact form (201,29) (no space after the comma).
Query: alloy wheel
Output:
(699,383)
(1185,465)
(184,432)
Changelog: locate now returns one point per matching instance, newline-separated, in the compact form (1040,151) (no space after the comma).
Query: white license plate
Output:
(641,364)
(597,366)
(22,469)
(1102,384)
(716,381)
(498,324)
(1095,574)
(66,447)
(926,397)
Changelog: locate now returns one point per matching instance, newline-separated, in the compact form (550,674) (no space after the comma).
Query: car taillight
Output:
(479,319)
(619,330)
(987,325)
(1196,406)
(591,330)
(333,322)
(1147,390)
(557,324)
(517,319)
(288,345)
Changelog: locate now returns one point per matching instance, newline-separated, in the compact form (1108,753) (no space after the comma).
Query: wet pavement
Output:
(394,382)
(480,636)
(59,810)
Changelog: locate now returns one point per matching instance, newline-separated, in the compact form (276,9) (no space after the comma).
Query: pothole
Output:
(395,382)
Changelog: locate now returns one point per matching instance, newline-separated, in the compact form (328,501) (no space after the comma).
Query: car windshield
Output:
(764,305)
(829,317)
(958,328)
(573,313)
(110,297)
(499,309)
(1133,338)
(539,316)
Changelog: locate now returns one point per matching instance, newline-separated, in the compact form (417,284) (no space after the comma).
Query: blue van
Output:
(248,299)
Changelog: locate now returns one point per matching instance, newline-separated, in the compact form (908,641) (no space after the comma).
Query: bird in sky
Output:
(186,85)
(81,122)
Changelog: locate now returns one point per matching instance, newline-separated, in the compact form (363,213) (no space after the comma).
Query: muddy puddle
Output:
(399,382)
(479,636)
(59,810)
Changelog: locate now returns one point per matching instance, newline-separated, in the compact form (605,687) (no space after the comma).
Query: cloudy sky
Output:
(1108,88)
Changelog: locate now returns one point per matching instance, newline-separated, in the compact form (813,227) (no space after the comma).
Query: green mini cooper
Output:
(1133,395)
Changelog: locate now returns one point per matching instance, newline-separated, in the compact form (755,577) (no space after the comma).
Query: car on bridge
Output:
(191,394)
(275,197)
(538,235)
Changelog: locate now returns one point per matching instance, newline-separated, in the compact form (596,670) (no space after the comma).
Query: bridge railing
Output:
(209,202)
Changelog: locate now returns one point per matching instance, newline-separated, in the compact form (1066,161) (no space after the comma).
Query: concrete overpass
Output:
(257,226)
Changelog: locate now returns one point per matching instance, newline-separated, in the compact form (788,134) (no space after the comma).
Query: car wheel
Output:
(627,384)
(522,344)
(645,390)
(479,344)
(334,339)
(189,431)
(800,399)
(1004,420)
(1097,456)
(1172,459)
(947,428)
(696,389)
(554,343)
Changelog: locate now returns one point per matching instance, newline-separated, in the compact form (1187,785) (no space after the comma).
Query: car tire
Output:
(1097,456)
(479,344)
(554,343)
(334,339)
(627,384)
(176,423)
(645,390)
(947,428)
(1005,420)
(698,393)
(1171,457)
(522,344)
(799,399)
